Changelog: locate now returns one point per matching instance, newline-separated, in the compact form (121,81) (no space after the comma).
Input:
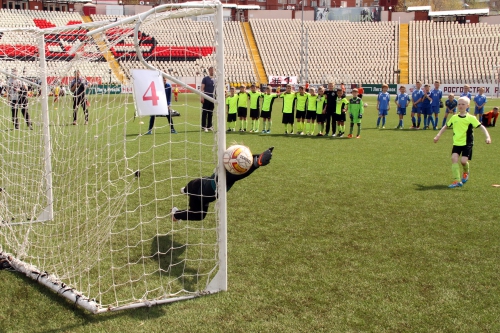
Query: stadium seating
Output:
(353,52)
(182,46)
(453,53)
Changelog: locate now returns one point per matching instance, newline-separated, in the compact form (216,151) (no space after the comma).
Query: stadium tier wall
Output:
(348,52)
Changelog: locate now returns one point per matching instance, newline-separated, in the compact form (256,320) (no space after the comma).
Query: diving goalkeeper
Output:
(202,191)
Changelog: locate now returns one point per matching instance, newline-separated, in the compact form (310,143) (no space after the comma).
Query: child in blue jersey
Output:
(466,93)
(451,108)
(416,109)
(383,105)
(436,95)
(480,100)
(426,105)
(402,101)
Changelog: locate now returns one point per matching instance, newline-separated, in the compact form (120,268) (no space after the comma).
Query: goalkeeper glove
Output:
(360,116)
(351,116)
(264,158)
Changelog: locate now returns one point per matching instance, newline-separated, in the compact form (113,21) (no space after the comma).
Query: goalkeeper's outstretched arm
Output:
(202,191)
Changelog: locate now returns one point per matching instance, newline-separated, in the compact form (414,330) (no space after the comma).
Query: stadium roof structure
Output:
(419,8)
(463,12)
(482,11)
(244,7)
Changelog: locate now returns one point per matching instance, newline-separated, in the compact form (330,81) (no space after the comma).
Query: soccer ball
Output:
(365,105)
(237,159)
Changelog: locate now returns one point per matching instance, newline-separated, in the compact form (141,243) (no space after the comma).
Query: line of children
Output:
(309,116)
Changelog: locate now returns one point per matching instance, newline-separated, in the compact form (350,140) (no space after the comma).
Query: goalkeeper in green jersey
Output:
(463,139)
(355,110)
(302,98)
(288,105)
(254,107)
(267,107)
(203,191)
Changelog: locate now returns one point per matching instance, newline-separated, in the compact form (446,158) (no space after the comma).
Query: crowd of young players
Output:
(316,111)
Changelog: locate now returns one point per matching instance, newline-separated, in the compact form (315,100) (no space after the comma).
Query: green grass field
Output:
(335,235)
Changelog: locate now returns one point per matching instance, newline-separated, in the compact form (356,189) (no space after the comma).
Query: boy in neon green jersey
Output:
(311,111)
(232,109)
(463,140)
(267,106)
(340,111)
(288,105)
(243,98)
(356,110)
(301,97)
(320,110)
(254,107)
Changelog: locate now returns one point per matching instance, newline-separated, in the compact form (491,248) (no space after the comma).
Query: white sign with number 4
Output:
(149,93)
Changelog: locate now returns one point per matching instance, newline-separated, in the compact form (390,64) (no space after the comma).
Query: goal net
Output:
(86,196)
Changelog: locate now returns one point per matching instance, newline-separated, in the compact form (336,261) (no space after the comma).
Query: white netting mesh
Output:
(108,233)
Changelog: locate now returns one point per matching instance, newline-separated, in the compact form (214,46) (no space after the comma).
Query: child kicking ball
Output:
(463,140)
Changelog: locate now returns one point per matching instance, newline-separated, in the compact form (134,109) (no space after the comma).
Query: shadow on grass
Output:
(420,187)
(173,262)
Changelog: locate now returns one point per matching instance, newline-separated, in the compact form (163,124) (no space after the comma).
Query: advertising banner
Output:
(101,89)
(457,89)
(352,14)
(282,80)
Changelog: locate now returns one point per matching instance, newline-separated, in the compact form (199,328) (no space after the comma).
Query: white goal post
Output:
(87,188)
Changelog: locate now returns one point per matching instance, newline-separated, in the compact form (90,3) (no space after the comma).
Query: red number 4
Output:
(152,96)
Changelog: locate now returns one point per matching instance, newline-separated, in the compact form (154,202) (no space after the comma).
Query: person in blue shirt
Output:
(451,107)
(480,100)
(168,93)
(426,106)
(416,98)
(466,93)
(383,105)
(436,95)
(402,101)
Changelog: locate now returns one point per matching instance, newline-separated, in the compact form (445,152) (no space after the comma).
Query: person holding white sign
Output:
(168,94)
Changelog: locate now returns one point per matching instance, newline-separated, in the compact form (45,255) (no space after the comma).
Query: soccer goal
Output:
(86,196)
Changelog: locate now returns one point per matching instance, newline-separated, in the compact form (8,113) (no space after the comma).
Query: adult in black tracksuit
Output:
(77,87)
(331,102)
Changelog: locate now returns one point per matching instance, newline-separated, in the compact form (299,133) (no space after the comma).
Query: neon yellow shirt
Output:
(232,103)
(311,102)
(254,99)
(462,129)
(320,103)
(301,101)
(288,102)
(243,100)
